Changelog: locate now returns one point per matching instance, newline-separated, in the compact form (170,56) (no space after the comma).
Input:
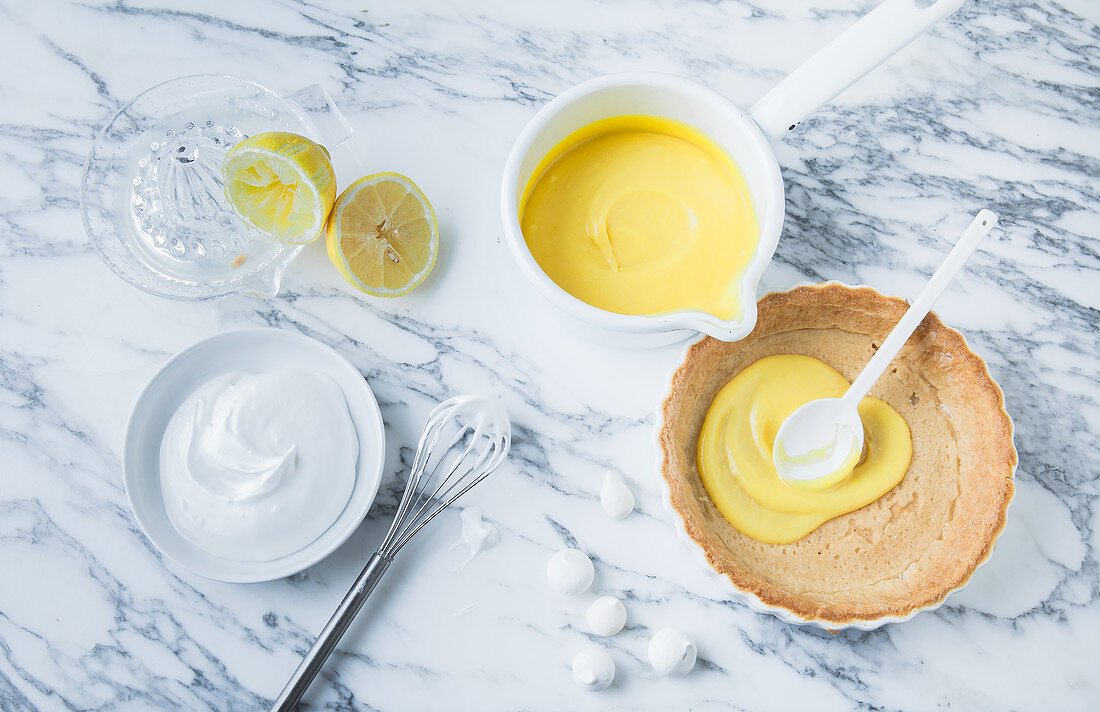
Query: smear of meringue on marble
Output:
(606,616)
(615,497)
(255,466)
(477,534)
(593,669)
(570,571)
(671,652)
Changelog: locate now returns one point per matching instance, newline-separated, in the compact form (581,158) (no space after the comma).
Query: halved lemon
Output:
(282,184)
(382,235)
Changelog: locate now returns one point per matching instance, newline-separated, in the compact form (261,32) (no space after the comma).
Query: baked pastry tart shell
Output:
(909,549)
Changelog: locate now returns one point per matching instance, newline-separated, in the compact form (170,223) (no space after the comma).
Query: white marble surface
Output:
(999,106)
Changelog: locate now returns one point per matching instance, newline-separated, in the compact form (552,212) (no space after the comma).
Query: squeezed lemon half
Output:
(282,184)
(382,235)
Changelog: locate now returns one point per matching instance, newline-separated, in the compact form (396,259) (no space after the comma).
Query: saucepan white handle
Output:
(876,37)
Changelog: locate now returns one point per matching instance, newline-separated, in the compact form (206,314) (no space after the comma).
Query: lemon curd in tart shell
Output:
(918,542)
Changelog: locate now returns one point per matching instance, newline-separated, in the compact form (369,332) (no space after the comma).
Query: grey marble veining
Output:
(998,106)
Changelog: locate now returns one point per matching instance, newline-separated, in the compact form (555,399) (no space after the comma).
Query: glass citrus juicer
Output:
(152,197)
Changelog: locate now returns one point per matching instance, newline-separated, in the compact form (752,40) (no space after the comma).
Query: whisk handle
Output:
(334,630)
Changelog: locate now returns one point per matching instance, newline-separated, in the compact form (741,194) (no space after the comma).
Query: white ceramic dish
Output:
(743,134)
(746,597)
(653,95)
(247,350)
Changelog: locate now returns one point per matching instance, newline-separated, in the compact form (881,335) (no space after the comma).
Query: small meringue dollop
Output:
(606,616)
(671,652)
(593,669)
(615,497)
(477,534)
(570,571)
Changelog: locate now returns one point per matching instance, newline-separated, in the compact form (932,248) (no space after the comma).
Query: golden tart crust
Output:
(918,542)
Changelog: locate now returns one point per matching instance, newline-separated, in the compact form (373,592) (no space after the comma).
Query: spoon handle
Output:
(983,223)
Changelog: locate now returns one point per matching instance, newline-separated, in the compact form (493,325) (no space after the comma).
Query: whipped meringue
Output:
(606,616)
(671,652)
(256,466)
(593,669)
(570,571)
(615,497)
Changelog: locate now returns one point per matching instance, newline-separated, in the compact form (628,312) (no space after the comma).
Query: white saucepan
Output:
(746,135)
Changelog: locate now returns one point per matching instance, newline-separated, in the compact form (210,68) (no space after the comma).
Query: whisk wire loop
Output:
(477,435)
(457,450)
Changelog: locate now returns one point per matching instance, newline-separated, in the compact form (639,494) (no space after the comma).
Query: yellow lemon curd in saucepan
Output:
(735,450)
(641,215)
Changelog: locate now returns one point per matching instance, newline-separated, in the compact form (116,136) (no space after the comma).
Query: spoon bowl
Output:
(819,444)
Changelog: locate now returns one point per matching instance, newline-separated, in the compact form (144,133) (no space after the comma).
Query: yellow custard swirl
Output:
(735,450)
(641,215)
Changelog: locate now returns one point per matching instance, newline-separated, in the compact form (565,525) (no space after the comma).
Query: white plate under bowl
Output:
(251,350)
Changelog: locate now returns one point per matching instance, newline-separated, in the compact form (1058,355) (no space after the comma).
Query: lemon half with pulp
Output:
(281,184)
(382,235)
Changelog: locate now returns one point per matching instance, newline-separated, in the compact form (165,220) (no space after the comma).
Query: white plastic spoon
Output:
(819,444)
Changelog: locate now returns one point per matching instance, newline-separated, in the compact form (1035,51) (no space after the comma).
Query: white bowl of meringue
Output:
(252,455)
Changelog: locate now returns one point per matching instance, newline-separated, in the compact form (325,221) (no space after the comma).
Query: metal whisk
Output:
(465,439)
